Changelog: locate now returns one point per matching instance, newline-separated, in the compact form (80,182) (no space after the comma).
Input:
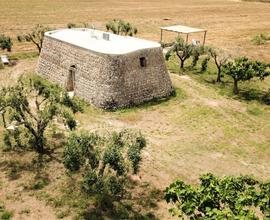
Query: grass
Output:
(204,128)
(5,214)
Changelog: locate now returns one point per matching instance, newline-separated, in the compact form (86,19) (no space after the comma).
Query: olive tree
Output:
(36,36)
(220,58)
(104,162)
(121,27)
(182,49)
(243,69)
(240,197)
(30,106)
(5,42)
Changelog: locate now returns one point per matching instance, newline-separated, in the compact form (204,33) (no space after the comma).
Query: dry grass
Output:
(231,24)
(202,129)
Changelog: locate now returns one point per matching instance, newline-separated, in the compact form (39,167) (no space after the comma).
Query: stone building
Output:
(105,69)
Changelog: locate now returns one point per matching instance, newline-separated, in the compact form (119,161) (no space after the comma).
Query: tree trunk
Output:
(219,75)
(235,87)
(39,49)
(39,142)
(182,64)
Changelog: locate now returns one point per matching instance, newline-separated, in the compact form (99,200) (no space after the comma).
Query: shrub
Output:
(204,64)
(121,27)
(6,215)
(104,161)
(74,103)
(5,43)
(219,198)
(260,39)
(71,25)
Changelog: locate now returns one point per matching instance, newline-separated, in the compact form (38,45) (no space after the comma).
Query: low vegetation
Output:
(99,168)
(80,25)
(5,42)
(104,162)
(241,197)
(121,27)
(260,39)
(5,214)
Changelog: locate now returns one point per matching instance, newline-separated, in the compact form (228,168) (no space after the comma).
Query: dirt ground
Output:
(199,131)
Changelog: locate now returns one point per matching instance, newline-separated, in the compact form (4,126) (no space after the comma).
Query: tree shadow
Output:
(18,161)
(140,205)
(255,95)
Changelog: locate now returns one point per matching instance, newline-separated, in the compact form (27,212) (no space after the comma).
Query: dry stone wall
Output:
(106,81)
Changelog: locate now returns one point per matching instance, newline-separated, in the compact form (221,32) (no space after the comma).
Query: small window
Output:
(143,61)
(106,36)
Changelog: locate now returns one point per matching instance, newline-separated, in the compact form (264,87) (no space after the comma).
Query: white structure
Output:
(102,42)
(108,70)
(180,29)
(4,59)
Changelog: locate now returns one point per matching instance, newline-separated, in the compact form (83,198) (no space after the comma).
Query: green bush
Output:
(104,162)
(220,198)
(74,103)
(114,158)
(5,43)
(6,215)
(260,39)
(204,64)
(72,158)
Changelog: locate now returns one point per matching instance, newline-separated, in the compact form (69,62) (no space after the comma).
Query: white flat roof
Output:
(93,40)
(182,29)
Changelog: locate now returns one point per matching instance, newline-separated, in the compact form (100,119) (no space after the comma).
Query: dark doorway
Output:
(143,61)
(71,78)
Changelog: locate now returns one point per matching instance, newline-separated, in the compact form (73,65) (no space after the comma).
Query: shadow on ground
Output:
(255,94)
(140,205)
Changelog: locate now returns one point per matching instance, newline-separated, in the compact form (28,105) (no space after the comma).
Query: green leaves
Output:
(33,103)
(121,27)
(5,42)
(104,161)
(183,50)
(36,36)
(242,69)
(220,198)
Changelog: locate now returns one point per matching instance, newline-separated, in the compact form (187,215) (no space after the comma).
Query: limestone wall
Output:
(106,81)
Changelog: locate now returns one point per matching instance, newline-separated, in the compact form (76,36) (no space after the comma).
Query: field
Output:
(203,129)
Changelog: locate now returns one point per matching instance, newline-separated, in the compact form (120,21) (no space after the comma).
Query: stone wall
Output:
(106,81)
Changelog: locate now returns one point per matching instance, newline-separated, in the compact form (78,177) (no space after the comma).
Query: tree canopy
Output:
(36,36)
(183,50)
(243,69)
(220,58)
(30,106)
(220,198)
(104,161)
